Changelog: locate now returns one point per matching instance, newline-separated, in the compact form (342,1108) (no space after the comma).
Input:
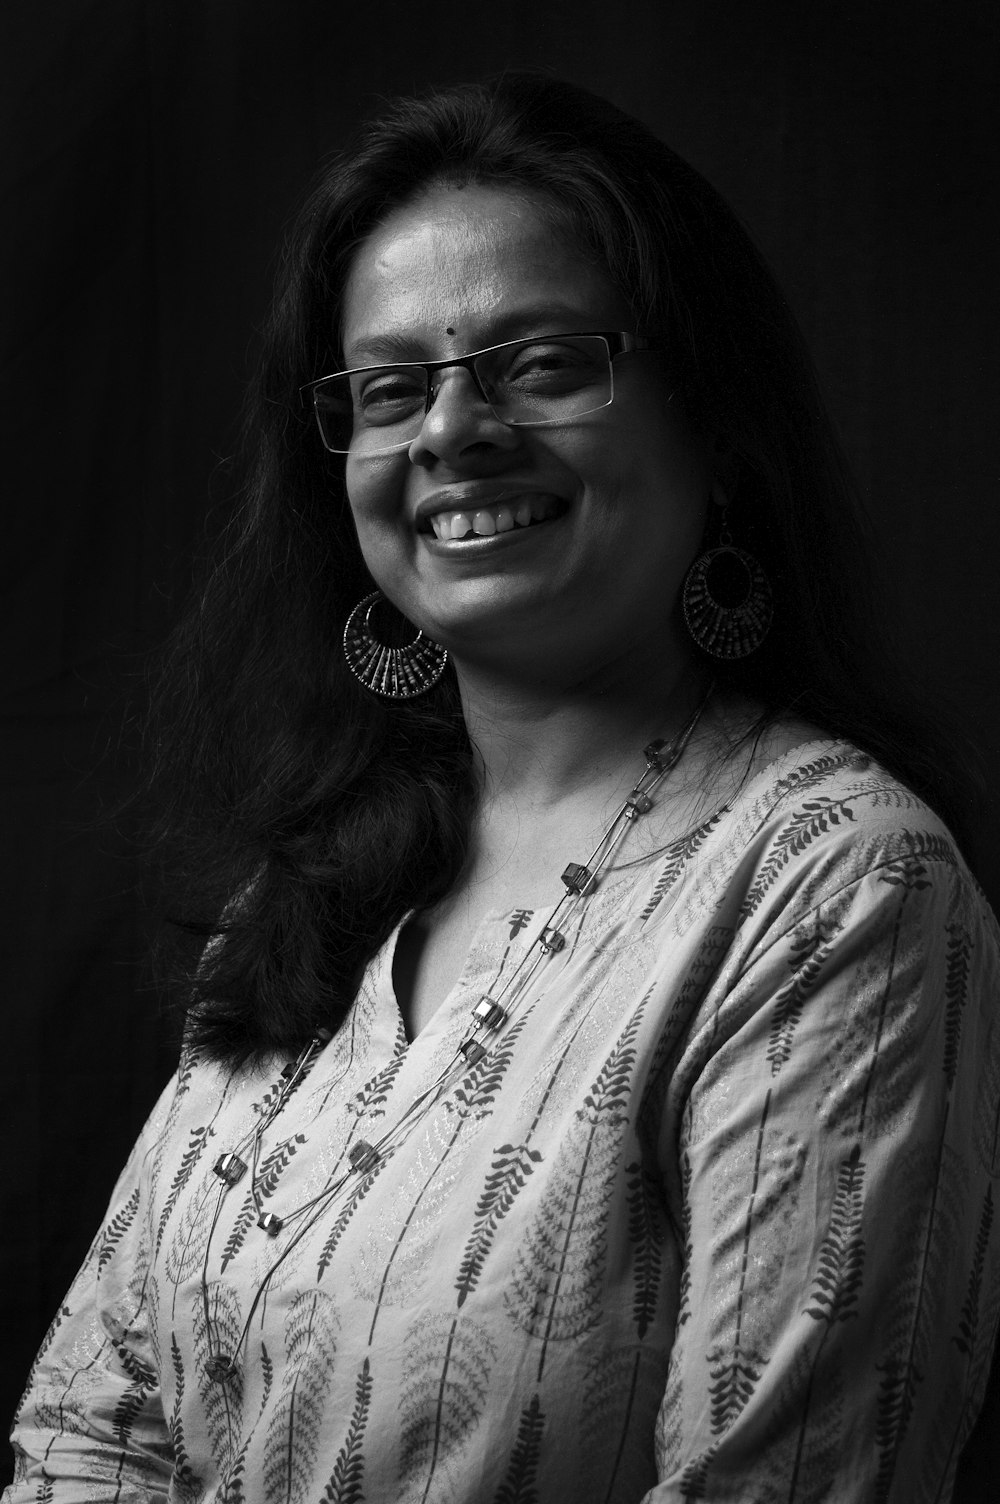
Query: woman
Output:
(590,1092)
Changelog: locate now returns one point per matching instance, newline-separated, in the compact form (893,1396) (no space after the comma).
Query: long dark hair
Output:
(303,817)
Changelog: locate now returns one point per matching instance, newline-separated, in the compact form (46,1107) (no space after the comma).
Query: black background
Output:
(158,148)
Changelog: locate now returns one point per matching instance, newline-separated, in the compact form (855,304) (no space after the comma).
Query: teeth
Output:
(503,517)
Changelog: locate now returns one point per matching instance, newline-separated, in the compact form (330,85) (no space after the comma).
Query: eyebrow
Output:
(521,323)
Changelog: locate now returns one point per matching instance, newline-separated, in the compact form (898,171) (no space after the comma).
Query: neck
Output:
(540,742)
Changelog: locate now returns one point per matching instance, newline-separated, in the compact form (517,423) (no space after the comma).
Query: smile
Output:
(498,517)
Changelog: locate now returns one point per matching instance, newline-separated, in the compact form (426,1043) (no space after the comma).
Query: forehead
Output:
(460,268)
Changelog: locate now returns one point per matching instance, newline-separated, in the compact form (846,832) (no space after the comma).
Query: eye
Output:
(388,396)
(555,365)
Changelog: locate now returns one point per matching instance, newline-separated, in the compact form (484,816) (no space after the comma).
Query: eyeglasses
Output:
(526,383)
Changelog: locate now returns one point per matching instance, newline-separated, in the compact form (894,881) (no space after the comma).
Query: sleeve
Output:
(91,1425)
(838,1135)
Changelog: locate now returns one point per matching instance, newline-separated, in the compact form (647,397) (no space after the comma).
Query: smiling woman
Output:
(592,1075)
(591,474)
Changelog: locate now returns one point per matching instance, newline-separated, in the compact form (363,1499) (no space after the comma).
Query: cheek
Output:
(374,491)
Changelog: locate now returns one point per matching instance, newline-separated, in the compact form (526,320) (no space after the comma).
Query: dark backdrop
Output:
(159,146)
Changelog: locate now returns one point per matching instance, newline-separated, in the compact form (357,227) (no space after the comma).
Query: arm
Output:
(837,1136)
(91,1425)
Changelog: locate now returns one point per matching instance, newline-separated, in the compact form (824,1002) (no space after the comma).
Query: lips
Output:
(487,519)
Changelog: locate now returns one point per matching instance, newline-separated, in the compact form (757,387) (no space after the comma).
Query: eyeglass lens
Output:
(526,383)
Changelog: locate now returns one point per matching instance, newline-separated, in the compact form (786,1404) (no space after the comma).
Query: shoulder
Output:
(815,817)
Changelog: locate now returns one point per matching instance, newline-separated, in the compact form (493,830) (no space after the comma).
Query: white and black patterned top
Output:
(713,1220)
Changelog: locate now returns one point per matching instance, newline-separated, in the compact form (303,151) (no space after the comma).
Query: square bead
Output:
(219,1368)
(230,1168)
(472,1051)
(271,1224)
(552,940)
(288,1071)
(637,804)
(488,1013)
(578,878)
(652,754)
(363,1157)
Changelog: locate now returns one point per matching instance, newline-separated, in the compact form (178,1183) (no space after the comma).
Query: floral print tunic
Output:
(712,1219)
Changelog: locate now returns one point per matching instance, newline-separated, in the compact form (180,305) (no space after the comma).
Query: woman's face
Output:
(617,498)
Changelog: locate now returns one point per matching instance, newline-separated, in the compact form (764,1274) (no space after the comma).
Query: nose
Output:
(459,424)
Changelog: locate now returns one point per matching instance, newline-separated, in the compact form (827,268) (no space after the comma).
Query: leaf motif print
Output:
(881,797)
(808,774)
(269,1174)
(447,1364)
(987,1120)
(231,1484)
(558,1275)
(687,1252)
(735,1373)
(735,1367)
(620,1403)
(973,1322)
(833,1298)
(807,824)
(49,1338)
(698,978)
(221,1332)
(519,920)
(276,1163)
(189,1161)
(670,1420)
(646,1232)
(231,1487)
(245,1219)
(509,1173)
(810,947)
(913,852)
(694,1479)
(358,1193)
(475,1095)
(520,1481)
(116,1230)
(956,987)
(840,1274)
(291,1445)
(680,856)
(346,1485)
(190,1239)
(510,1170)
(132,1403)
(906,872)
(397,1268)
(371,1099)
(185,1481)
(932,1190)
(968,1325)
(401,1238)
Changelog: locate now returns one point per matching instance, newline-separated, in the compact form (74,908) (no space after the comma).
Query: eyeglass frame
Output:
(627,344)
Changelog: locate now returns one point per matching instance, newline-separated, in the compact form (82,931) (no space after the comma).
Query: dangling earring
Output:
(727,600)
(397,673)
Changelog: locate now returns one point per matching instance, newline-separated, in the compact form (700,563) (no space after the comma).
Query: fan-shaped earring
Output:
(727,601)
(397,673)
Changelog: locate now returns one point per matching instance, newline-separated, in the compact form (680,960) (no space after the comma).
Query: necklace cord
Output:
(491,1014)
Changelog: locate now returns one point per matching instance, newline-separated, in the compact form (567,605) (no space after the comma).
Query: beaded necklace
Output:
(490,1015)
